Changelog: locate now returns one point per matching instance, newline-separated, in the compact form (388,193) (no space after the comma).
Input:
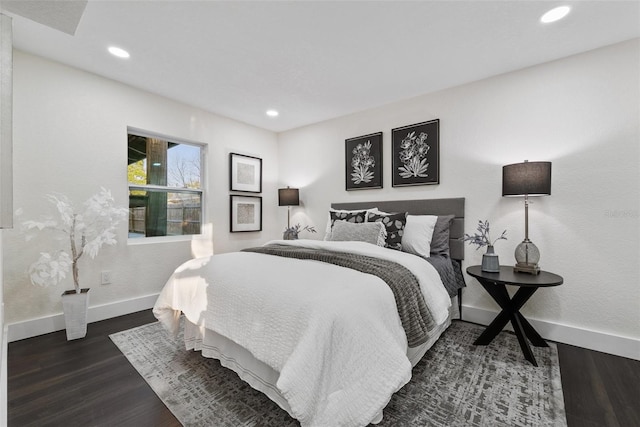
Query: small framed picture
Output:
(246,213)
(245,173)
(363,162)
(415,152)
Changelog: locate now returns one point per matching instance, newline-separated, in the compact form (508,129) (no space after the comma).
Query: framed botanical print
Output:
(415,154)
(245,213)
(245,173)
(363,162)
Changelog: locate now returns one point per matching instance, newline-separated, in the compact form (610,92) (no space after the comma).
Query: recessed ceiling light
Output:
(555,14)
(120,53)
(272,113)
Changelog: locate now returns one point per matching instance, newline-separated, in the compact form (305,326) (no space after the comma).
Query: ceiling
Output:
(311,60)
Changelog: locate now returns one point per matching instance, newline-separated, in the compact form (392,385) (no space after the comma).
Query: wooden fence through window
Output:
(181,220)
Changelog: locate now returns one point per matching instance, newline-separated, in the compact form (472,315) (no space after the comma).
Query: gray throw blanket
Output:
(450,272)
(414,313)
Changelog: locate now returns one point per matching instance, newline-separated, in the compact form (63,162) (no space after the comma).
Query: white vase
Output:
(75,306)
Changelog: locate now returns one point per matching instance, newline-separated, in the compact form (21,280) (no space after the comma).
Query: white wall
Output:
(6,183)
(582,114)
(70,136)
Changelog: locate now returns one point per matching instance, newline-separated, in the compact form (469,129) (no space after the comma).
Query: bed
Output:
(320,326)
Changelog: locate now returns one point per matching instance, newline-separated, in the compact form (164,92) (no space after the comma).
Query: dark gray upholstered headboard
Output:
(423,207)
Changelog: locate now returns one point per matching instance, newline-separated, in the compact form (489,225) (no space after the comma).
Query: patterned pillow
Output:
(370,232)
(356,217)
(394,223)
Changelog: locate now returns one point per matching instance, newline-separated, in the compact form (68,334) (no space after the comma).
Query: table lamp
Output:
(527,179)
(288,197)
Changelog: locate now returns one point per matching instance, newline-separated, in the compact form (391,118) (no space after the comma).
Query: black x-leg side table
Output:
(495,285)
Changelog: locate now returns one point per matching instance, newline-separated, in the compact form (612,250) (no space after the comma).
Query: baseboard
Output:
(593,340)
(44,325)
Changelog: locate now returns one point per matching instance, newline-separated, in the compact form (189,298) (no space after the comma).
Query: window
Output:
(165,186)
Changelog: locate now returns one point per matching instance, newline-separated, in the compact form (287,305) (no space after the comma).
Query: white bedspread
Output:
(332,333)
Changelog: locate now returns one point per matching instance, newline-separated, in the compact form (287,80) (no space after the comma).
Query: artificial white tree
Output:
(86,231)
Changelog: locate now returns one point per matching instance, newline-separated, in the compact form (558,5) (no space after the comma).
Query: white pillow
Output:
(370,232)
(418,234)
(327,231)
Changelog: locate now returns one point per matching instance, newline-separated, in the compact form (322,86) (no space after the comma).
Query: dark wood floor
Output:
(88,382)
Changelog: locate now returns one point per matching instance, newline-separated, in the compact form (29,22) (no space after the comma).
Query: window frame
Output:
(153,187)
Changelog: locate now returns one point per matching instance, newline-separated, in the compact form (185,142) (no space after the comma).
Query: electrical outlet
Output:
(105,277)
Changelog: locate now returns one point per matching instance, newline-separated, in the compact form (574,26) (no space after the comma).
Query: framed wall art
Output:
(245,173)
(363,162)
(246,213)
(416,152)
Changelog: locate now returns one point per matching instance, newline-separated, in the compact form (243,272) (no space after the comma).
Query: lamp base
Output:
(527,257)
(522,267)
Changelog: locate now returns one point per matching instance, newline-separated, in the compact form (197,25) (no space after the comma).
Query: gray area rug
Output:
(455,384)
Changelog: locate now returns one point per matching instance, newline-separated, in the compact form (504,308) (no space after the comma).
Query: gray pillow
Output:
(372,232)
(440,239)
(342,215)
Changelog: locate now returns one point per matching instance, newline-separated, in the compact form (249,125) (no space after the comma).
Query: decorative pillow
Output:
(394,223)
(418,234)
(370,232)
(343,215)
(378,211)
(440,239)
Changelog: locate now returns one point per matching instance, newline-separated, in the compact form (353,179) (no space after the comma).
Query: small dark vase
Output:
(490,261)
(290,234)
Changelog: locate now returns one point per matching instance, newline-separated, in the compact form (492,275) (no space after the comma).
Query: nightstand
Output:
(495,285)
